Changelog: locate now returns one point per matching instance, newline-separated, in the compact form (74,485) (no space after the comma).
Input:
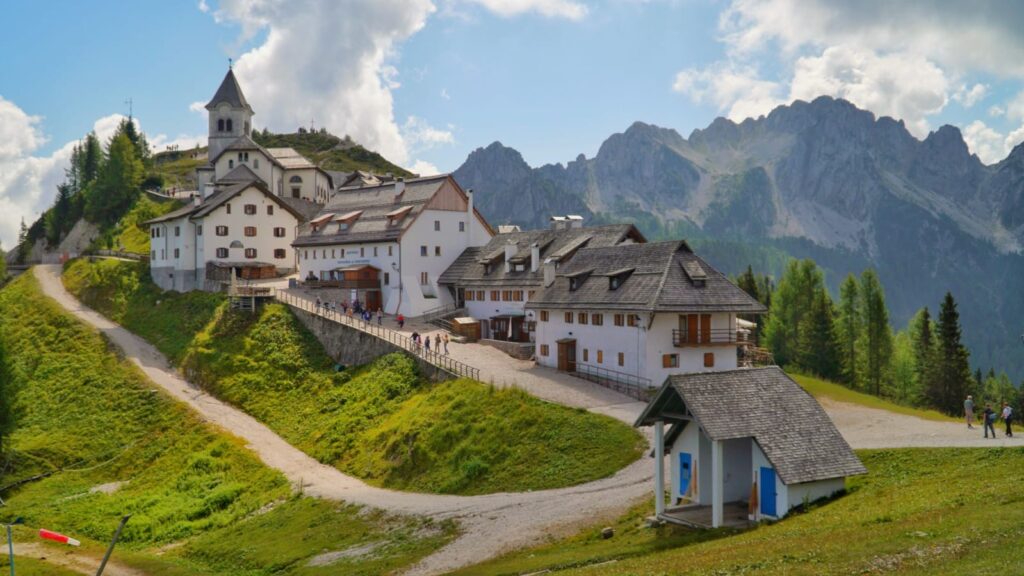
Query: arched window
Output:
(231,163)
(295,180)
(220,125)
(229,125)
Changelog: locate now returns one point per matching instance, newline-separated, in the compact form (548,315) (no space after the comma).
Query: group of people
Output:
(354,309)
(424,341)
(989,417)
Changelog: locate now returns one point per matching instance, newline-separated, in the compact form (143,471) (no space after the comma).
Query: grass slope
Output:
(918,511)
(824,389)
(330,152)
(92,419)
(382,422)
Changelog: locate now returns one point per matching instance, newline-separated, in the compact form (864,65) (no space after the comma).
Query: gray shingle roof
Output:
(219,197)
(658,282)
(230,92)
(174,214)
(765,404)
(240,173)
(469,267)
(375,202)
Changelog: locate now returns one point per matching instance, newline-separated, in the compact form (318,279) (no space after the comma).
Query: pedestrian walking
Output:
(445,344)
(426,343)
(1007,416)
(437,343)
(380,316)
(990,420)
(969,411)
(344,307)
(401,321)
(318,304)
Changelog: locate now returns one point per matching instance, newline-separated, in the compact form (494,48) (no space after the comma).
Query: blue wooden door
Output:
(768,492)
(685,472)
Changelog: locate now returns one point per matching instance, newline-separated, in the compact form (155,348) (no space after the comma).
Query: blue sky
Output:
(427,81)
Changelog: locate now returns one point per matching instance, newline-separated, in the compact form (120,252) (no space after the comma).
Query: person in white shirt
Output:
(1007,416)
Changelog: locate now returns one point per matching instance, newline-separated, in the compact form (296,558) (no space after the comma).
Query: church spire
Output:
(229,92)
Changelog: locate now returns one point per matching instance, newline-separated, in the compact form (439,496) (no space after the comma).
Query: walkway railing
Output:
(438,312)
(628,384)
(439,360)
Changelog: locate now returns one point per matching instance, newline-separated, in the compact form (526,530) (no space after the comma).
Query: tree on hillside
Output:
(138,139)
(923,339)
(877,335)
(58,218)
(902,369)
(92,159)
(23,245)
(818,352)
(748,283)
(117,184)
(949,383)
(3,264)
(848,330)
(791,304)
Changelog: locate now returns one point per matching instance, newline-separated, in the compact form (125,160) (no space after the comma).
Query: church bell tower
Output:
(230,115)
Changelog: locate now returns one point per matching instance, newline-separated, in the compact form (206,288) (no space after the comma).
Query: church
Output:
(244,215)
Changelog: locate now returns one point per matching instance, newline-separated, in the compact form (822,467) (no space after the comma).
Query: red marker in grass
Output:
(57,537)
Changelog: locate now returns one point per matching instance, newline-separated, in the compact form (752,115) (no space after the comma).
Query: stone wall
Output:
(520,350)
(351,347)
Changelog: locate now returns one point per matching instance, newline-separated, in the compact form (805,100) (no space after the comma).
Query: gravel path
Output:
(491,523)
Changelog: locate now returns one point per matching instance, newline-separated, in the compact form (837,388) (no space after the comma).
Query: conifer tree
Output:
(952,368)
(818,350)
(877,335)
(924,351)
(791,304)
(23,245)
(117,184)
(848,330)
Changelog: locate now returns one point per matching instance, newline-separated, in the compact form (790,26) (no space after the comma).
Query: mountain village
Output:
(601,303)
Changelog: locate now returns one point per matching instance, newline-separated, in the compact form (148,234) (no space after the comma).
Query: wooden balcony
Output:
(713,337)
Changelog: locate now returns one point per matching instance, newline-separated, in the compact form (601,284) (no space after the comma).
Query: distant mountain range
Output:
(824,180)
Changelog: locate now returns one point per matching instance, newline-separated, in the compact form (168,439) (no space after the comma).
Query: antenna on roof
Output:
(230,64)
(129,103)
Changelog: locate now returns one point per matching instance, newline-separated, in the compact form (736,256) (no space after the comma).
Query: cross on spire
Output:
(230,64)
(129,103)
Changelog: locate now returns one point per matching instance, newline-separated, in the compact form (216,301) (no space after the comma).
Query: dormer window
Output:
(342,226)
(487,269)
(576,280)
(617,278)
(695,272)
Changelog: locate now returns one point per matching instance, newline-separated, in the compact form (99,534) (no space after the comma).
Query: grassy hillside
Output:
(381,422)
(920,511)
(824,389)
(330,152)
(114,446)
(128,235)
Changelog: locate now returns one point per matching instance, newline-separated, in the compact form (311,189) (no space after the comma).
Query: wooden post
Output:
(717,484)
(659,468)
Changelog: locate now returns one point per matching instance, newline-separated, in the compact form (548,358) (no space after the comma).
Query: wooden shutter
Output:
(705,328)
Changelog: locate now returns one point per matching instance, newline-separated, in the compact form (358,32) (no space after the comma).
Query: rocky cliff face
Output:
(822,179)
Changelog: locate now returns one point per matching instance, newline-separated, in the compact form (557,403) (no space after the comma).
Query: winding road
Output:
(493,523)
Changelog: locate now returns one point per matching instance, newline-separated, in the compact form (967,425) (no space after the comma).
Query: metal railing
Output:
(681,338)
(628,384)
(433,357)
(438,312)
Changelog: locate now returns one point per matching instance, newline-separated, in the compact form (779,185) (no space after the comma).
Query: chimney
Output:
(197,200)
(510,251)
(469,218)
(549,272)
(399,188)
(574,221)
(534,257)
(558,223)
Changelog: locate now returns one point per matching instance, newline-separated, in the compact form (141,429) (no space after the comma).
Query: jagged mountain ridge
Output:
(819,179)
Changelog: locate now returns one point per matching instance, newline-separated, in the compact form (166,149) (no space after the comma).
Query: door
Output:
(567,356)
(705,328)
(685,473)
(460,298)
(691,329)
(373,300)
(768,492)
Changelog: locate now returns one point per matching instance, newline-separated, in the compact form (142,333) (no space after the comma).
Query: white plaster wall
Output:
(482,310)
(162,259)
(609,338)
(813,491)
(264,242)
(220,140)
(689,442)
(691,358)
(736,455)
(229,161)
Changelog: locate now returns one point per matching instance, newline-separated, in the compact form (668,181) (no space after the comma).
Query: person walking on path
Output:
(437,343)
(445,344)
(380,317)
(401,321)
(969,412)
(318,303)
(416,341)
(426,343)
(1007,416)
(990,419)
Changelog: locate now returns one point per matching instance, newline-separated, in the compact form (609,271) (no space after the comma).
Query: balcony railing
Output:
(715,336)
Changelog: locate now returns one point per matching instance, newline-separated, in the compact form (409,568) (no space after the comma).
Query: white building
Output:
(493,282)
(386,245)
(744,445)
(638,313)
(251,200)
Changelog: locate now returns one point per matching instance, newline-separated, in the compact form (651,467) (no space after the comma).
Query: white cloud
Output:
(968,97)
(904,86)
(738,92)
(567,9)
(203,6)
(327,61)
(445,95)
(1015,107)
(198,107)
(995,111)
(419,135)
(424,168)
(988,144)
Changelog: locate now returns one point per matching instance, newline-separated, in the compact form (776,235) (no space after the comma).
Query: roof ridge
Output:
(652,304)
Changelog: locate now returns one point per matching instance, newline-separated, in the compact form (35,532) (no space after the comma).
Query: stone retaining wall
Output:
(520,350)
(351,347)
